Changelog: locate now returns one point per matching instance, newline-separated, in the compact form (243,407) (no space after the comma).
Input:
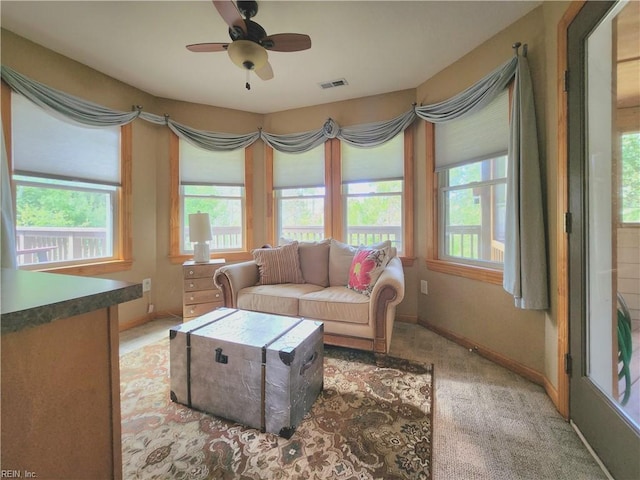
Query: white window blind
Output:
(49,146)
(297,170)
(384,162)
(483,134)
(206,167)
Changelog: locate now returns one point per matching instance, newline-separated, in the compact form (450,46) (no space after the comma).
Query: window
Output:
(468,168)
(630,178)
(71,187)
(298,183)
(213,182)
(224,204)
(473,200)
(356,195)
(372,191)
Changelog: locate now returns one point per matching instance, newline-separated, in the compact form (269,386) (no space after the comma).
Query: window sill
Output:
(468,271)
(86,269)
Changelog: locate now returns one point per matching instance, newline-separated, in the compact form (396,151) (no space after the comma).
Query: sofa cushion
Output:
(314,260)
(340,258)
(278,265)
(335,303)
(280,299)
(366,267)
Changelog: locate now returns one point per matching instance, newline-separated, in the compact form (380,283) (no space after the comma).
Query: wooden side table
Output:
(200,295)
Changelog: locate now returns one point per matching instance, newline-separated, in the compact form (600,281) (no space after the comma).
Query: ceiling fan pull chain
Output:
(247,84)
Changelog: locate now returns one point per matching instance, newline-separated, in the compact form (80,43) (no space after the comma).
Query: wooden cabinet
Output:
(60,370)
(200,294)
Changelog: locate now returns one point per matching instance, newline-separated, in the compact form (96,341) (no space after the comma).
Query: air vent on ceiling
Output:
(334,83)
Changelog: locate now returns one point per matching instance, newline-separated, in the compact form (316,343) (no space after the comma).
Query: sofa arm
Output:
(387,293)
(230,279)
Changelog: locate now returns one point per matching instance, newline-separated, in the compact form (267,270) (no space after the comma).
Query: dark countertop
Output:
(29,299)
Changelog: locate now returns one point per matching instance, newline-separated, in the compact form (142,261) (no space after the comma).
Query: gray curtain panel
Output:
(525,253)
(8,232)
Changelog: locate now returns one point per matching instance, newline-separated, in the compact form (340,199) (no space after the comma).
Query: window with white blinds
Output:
(299,187)
(384,162)
(206,167)
(213,182)
(67,179)
(372,193)
(471,164)
(298,170)
(481,135)
(51,146)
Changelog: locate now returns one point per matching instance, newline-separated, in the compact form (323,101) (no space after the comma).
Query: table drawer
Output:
(202,296)
(189,311)
(199,271)
(199,284)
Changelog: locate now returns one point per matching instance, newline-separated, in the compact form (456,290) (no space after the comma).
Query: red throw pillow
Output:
(366,267)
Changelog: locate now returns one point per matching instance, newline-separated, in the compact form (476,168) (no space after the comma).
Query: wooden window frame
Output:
(175,255)
(333,216)
(123,249)
(433,260)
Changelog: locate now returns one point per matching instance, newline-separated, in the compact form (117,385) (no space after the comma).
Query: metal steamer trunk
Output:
(261,370)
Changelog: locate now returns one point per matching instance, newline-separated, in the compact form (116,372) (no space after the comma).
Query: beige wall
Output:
(480,312)
(483,313)
(477,311)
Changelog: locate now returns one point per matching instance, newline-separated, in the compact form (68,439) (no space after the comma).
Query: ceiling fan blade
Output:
(208,47)
(231,15)
(265,72)
(286,42)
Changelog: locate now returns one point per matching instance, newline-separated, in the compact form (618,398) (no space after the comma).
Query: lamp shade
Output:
(199,227)
(247,54)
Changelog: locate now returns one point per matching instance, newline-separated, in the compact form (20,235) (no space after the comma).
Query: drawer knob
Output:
(191,285)
(193,310)
(217,295)
(191,297)
(190,272)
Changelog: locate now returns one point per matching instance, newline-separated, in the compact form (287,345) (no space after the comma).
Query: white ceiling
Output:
(377,46)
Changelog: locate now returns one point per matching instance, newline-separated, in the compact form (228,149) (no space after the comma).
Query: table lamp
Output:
(199,235)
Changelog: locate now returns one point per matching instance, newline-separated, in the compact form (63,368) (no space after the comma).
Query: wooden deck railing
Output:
(55,244)
(355,235)
(61,244)
(467,242)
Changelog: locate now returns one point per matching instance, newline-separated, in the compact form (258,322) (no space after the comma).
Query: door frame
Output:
(592,409)
(562,237)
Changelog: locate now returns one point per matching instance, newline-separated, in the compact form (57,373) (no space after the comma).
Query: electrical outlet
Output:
(424,288)
(146,285)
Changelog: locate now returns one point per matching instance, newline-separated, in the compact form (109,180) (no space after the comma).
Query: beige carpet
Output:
(489,422)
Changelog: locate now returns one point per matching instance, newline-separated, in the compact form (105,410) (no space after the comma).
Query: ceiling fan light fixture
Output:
(247,54)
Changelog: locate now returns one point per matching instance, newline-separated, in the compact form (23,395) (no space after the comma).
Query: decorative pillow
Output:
(314,260)
(279,264)
(366,267)
(340,258)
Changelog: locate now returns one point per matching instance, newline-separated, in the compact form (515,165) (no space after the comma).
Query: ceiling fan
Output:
(249,41)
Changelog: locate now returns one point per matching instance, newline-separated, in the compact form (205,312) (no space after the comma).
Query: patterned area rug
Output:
(373,420)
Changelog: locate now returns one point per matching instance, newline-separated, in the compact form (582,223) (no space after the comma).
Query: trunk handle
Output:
(307,365)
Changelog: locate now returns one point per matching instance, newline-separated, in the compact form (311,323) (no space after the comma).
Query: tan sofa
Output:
(318,290)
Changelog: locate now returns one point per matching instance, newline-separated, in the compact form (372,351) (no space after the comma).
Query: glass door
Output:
(604,242)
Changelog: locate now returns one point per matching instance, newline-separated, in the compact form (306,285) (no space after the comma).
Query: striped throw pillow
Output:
(279,264)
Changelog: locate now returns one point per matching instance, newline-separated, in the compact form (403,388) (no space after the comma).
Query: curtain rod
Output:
(517,45)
